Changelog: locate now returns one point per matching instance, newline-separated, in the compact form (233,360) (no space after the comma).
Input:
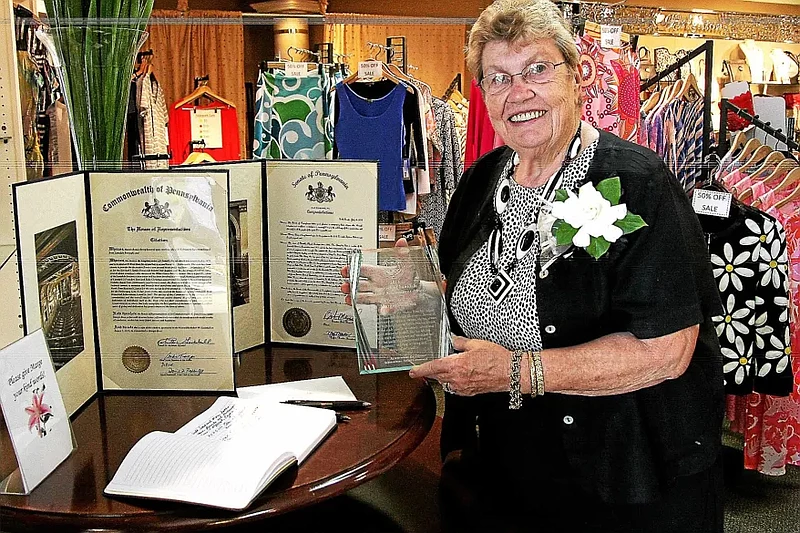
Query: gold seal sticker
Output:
(135,359)
(297,322)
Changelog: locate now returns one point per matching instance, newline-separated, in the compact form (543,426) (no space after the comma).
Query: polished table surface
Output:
(71,498)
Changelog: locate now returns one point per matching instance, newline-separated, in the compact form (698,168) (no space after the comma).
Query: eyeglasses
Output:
(538,72)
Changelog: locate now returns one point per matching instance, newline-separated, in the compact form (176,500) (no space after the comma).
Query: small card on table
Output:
(34,411)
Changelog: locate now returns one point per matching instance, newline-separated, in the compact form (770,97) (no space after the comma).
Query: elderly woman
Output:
(586,391)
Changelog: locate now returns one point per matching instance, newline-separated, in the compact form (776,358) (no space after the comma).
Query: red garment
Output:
(744,102)
(180,133)
(481,137)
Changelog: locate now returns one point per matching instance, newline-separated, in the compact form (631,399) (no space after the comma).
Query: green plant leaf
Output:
(610,189)
(597,247)
(561,195)
(630,223)
(564,233)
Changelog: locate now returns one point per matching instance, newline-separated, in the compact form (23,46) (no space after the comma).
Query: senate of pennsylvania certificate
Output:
(161,272)
(319,212)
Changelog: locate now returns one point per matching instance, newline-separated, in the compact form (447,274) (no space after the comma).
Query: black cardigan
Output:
(651,283)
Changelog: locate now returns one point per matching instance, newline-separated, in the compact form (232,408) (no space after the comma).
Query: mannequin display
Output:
(755,59)
(781,65)
(794,66)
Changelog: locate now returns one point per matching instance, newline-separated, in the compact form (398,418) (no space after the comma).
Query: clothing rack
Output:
(325,53)
(706,48)
(723,144)
(157,157)
(396,52)
(373,46)
(302,51)
(455,84)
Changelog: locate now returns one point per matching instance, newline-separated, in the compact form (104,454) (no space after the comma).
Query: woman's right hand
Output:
(380,285)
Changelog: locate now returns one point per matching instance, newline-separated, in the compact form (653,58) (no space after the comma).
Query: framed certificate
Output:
(246,229)
(318,213)
(138,261)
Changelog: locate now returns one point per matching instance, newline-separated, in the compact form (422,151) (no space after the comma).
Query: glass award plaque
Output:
(399,309)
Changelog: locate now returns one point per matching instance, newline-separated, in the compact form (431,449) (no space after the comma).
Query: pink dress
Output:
(771,424)
(610,87)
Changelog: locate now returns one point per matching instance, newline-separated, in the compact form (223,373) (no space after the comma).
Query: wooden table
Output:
(71,498)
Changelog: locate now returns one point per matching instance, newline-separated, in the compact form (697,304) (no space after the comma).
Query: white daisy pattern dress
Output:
(750,265)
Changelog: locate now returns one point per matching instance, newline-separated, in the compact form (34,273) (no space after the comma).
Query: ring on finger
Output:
(447,388)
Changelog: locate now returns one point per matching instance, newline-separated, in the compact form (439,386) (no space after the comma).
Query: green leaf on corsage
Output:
(564,233)
(630,223)
(610,189)
(597,247)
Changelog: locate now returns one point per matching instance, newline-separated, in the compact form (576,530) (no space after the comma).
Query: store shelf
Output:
(775,83)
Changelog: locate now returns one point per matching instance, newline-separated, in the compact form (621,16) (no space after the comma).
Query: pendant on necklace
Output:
(500,286)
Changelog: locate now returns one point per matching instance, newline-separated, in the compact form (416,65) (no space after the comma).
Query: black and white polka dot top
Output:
(514,322)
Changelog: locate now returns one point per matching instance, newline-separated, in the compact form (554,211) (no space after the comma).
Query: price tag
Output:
(296,70)
(386,233)
(610,36)
(206,125)
(370,70)
(714,203)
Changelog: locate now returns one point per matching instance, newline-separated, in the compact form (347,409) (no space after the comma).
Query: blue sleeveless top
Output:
(374,130)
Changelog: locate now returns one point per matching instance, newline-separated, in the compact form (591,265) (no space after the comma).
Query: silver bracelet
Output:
(515,389)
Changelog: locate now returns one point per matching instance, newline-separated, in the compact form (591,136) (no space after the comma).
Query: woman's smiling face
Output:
(535,119)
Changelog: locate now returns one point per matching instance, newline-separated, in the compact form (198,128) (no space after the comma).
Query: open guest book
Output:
(224,457)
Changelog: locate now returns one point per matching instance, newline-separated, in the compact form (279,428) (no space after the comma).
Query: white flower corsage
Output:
(593,218)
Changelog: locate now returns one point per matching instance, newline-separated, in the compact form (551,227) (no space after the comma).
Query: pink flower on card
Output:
(39,413)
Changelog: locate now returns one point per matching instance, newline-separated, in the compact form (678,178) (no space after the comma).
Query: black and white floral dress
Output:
(750,266)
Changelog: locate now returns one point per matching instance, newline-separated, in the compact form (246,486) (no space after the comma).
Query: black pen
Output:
(343,405)
(342,418)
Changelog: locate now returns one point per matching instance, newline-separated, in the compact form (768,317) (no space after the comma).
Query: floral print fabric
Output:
(750,265)
(610,87)
(771,424)
(292,117)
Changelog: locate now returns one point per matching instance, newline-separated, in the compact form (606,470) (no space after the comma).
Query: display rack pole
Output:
(706,48)
(12,170)
(776,133)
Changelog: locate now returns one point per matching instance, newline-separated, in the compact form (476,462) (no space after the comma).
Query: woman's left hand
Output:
(480,367)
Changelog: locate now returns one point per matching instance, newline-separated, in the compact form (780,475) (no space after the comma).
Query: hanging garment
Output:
(610,87)
(445,168)
(420,175)
(685,141)
(225,146)
(771,424)
(30,85)
(750,264)
(373,129)
(460,109)
(292,117)
(674,130)
(133,134)
(481,137)
(431,125)
(153,119)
